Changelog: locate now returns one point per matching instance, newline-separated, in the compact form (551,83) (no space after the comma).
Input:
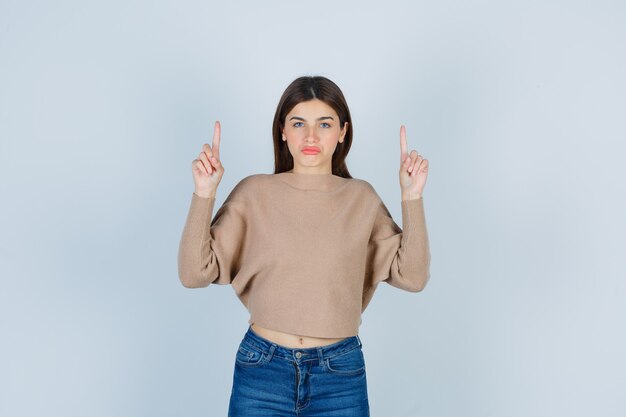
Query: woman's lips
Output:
(310,150)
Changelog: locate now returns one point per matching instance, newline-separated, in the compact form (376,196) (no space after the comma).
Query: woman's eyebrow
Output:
(319,118)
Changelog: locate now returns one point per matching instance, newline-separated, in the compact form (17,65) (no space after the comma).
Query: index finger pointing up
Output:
(215,146)
(403,146)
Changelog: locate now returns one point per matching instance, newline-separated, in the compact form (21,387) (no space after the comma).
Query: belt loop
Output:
(270,353)
(359,340)
(320,355)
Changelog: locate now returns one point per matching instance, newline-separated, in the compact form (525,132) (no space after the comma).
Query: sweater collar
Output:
(318,182)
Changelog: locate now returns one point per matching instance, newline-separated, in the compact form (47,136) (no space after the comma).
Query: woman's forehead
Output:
(313,109)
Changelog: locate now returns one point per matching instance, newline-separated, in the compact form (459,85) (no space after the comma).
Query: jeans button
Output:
(298,355)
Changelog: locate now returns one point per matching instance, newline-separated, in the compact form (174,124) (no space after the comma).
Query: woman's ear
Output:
(343,132)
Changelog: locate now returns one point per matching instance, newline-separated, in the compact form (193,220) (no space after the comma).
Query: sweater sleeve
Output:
(400,257)
(210,251)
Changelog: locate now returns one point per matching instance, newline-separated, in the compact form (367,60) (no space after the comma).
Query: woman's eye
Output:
(296,124)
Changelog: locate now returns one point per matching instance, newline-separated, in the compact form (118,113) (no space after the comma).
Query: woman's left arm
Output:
(401,256)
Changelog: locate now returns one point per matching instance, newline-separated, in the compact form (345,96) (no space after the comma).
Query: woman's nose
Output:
(312,133)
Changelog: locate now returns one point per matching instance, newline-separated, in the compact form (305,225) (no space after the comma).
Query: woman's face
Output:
(312,132)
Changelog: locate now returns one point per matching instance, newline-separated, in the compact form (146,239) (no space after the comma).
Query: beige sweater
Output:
(304,252)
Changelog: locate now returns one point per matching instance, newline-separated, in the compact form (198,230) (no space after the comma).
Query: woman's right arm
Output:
(211,252)
(197,266)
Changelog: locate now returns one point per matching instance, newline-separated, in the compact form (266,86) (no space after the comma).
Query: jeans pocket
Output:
(249,355)
(351,362)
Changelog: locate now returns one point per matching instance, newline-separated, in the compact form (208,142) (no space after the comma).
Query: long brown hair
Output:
(304,89)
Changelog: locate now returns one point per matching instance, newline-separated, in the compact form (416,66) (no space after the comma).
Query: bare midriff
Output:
(293,340)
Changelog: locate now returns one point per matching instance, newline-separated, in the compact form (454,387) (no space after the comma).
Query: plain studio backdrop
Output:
(518,105)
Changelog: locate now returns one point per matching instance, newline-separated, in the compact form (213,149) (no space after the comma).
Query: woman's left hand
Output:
(413,170)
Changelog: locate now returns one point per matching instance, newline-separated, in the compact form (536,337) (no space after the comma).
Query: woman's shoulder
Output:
(243,188)
(252,181)
(366,188)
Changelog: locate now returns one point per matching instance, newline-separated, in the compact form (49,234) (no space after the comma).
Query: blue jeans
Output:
(277,381)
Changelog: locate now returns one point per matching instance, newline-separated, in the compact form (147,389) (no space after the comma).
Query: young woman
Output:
(304,250)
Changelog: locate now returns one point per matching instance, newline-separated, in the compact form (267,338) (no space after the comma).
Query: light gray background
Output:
(518,105)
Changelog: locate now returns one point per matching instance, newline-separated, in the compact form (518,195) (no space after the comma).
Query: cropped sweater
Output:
(304,253)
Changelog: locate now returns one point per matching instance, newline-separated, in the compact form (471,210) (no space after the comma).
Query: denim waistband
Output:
(300,355)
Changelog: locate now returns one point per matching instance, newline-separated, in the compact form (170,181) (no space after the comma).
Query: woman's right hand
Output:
(207,169)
